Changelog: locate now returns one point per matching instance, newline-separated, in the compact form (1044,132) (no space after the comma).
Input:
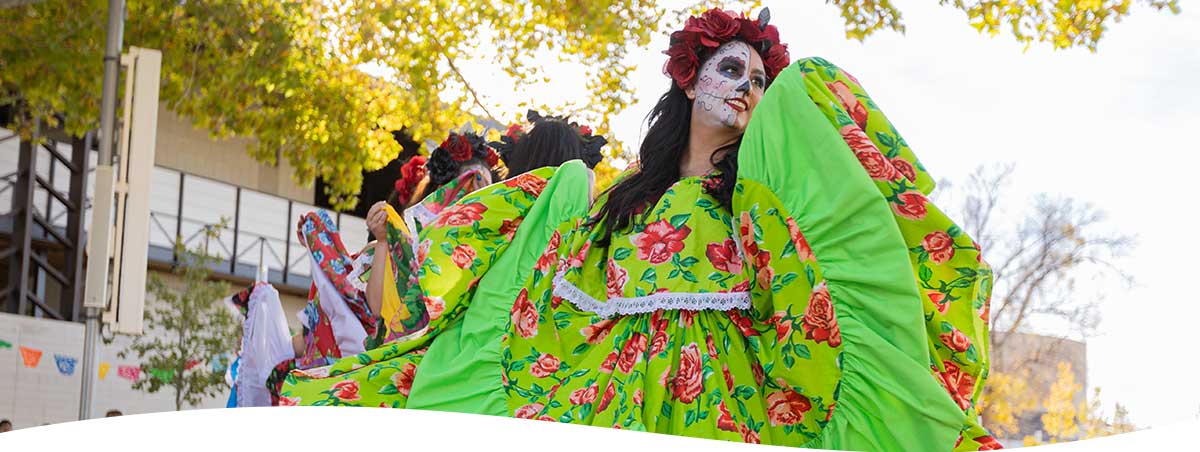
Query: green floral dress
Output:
(830,306)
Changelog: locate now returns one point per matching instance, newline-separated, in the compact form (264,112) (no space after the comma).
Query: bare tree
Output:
(1045,253)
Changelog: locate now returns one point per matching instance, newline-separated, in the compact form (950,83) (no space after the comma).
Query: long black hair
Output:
(663,148)
(551,143)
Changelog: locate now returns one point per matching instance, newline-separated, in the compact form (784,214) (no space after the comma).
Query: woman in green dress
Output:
(770,272)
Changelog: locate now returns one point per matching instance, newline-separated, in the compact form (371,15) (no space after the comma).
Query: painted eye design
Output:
(759,82)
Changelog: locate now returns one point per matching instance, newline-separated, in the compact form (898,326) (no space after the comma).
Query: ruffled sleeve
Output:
(851,287)
(954,282)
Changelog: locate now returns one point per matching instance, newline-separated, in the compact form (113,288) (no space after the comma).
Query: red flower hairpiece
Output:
(459,147)
(714,28)
(411,174)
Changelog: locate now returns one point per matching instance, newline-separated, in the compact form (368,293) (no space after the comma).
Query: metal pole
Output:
(98,261)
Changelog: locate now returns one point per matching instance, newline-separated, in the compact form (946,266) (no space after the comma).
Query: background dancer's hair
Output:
(552,141)
(670,120)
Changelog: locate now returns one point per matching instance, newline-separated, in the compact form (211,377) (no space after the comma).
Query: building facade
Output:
(45,209)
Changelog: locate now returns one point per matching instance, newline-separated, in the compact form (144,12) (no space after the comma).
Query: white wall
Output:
(30,397)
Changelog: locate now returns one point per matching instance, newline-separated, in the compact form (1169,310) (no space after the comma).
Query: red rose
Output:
(743,286)
(637,397)
(712,347)
(576,260)
(987,309)
(514,131)
(682,63)
(956,341)
(743,323)
(787,407)
(584,395)
(746,233)
(685,317)
(854,107)
(749,436)
(829,413)
(608,396)
(463,255)
(759,374)
(635,346)
(492,157)
(609,363)
(404,378)
(940,247)
(725,256)
(959,384)
(658,343)
(289,401)
(911,205)
(461,215)
(585,130)
(423,251)
(616,277)
(509,227)
(545,366)
(820,322)
(766,274)
(714,24)
(878,167)
(905,168)
(434,306)
(750,31)
(529,411)
(550,255)
(782,329)
(345,390)
(596,332)
(776,59)
(803,251)
(458,146)
(689,380)
(659,241)
(725,420)
(528,183)
(939,301)
(986,442)
(525,315)
(728,377)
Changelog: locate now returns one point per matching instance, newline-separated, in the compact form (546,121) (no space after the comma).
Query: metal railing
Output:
(260,228)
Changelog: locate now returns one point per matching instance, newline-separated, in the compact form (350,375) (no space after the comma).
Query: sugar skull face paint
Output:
(730,84)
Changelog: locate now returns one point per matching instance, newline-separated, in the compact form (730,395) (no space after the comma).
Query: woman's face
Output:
(729,86)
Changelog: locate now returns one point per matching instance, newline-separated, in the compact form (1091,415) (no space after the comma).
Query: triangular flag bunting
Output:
(191,364)
(30,356)
(5,344)
(130,373)
(66,364)
(103,370)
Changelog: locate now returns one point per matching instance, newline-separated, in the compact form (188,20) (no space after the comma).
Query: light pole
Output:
(95,298)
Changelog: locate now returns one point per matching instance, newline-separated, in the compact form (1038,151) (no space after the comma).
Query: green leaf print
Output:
(801,351)
(374,373)
(688,276)
(678,221)
(650,276)
(947,327)
(447,249)
(622,253)
(580,349)
(954,231)
(389,389)
(925,273)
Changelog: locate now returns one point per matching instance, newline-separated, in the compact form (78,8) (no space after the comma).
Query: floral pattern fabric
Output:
(632,334)
(947,264)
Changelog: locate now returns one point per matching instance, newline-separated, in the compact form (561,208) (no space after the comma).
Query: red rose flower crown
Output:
(702,35)
(459,149)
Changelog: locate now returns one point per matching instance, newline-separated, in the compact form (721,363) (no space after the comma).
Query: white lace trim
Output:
(715,301)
